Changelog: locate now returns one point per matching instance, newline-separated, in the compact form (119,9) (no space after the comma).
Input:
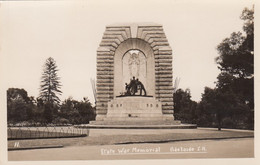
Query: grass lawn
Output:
(134,138)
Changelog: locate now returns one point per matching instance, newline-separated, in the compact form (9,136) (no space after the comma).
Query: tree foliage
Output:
(236,53)
(231,103)
(50,83)
(19,105)
(222,108)
(236,61)
(77,112)
(184,107)
(22,108)
(46,108)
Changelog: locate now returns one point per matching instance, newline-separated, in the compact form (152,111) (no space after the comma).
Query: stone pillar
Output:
(105,81)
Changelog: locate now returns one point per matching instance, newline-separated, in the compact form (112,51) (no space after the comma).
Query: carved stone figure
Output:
(134,64)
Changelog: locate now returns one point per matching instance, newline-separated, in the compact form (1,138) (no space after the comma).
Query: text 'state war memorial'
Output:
(134,75)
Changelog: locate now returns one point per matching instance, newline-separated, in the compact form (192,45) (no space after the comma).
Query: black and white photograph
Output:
(117,82)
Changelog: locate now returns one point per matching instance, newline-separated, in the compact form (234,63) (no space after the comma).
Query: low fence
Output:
(44,132)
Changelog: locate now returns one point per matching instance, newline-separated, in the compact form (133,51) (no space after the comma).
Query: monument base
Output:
(135,110)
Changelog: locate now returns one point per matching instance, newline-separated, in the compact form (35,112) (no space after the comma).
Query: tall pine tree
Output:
(50,88)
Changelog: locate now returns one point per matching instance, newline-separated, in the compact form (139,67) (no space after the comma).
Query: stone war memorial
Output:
(134,76)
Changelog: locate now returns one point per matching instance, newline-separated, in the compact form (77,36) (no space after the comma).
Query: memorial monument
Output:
(134,74)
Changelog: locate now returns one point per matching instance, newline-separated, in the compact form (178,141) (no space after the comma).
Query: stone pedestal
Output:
(135,108)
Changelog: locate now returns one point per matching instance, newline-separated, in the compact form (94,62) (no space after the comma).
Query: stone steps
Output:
(135,126)
(136,122)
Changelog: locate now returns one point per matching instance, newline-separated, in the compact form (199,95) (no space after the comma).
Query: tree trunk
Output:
(219,127)
(219,122)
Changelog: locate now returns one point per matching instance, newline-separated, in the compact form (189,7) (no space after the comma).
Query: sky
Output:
(70,32)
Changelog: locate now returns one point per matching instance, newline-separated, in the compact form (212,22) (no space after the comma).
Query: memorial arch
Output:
(138,50)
